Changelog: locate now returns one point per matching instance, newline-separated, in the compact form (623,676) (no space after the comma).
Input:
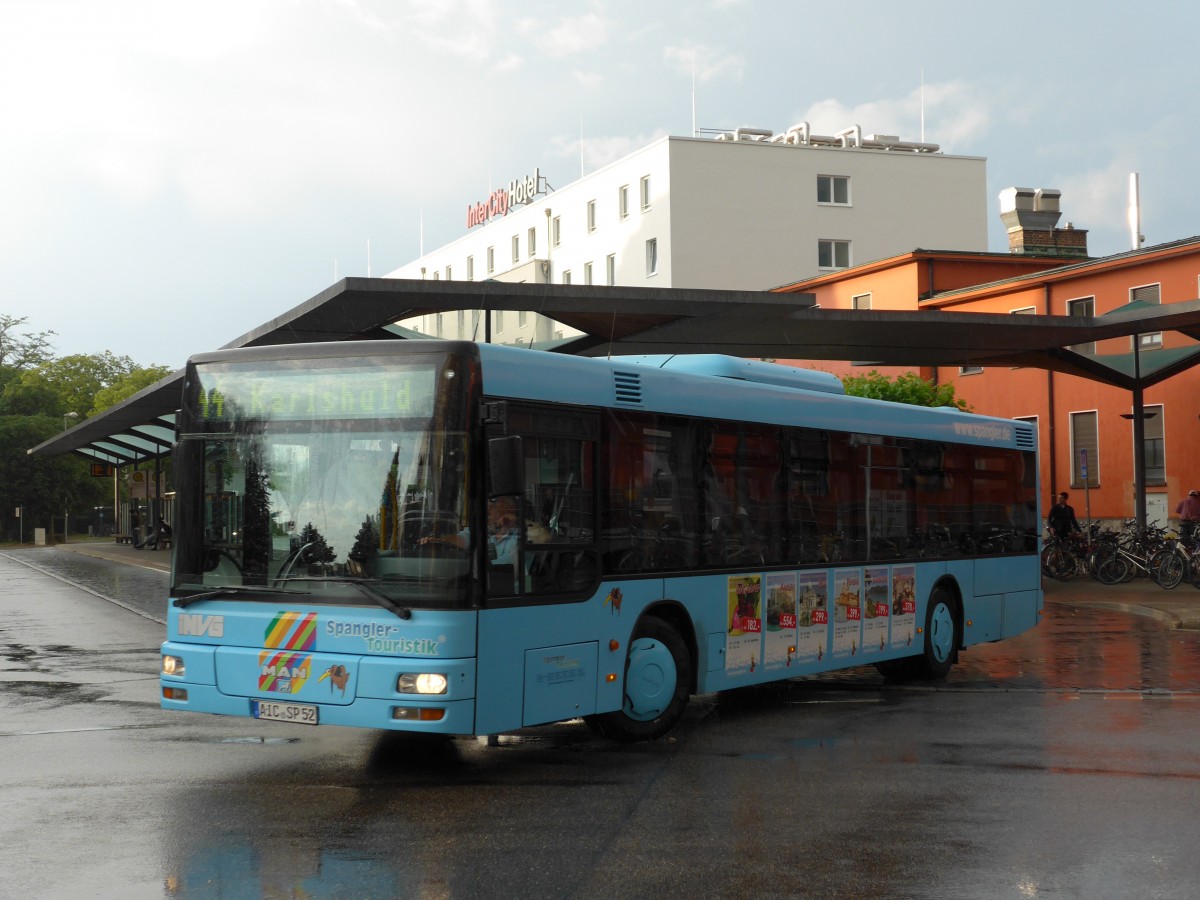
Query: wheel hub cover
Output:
(649,680)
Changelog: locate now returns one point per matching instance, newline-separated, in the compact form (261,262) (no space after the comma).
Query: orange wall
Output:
(1052,397)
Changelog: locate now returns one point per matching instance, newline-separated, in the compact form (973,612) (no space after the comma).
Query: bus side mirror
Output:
(506,466)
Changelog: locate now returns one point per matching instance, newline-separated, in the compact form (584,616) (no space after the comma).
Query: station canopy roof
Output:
(625,320)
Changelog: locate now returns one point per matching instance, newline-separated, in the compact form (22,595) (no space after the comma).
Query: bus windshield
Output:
(320,477)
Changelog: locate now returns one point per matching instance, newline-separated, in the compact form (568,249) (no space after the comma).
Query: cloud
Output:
(571,36)
(465,29)
(955,113)
(708,63)
(510,63)
(589,80)
(239,108)
(600,151)
(1097,197)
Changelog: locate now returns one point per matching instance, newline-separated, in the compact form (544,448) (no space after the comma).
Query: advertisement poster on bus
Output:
(877,603)
(812,618)
(904,605)
(743,646)
(847,612)
(779,637)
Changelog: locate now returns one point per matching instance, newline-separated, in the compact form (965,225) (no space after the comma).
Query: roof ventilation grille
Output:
(1025,438)
(627,387)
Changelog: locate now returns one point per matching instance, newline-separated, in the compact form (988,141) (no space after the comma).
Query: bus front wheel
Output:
(658,677)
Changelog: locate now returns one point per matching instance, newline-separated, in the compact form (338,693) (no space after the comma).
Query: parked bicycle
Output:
(1064,558)
(1129,554)
(1178,560)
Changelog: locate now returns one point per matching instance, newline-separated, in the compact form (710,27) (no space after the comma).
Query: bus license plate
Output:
(300,713)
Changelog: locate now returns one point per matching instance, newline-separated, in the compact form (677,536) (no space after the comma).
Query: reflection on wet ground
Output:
(1074,649)
(1087,649)
(142,590)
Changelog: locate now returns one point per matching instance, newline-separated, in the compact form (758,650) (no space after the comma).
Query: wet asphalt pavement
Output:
(1062,763)
(140,588)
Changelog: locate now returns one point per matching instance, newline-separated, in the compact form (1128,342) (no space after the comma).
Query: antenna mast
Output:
(1135,213)
(922,104)
(694,132)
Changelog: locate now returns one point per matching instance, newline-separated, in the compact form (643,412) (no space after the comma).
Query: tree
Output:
(75,380)
(126,385)
(366,544)
(908,388)
(319,553)
(36,392)
(44,487)
(22,351)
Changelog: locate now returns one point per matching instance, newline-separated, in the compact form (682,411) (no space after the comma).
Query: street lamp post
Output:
(1139,417)
(69,419)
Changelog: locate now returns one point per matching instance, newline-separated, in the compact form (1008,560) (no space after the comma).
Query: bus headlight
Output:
(172,665)
(423,683)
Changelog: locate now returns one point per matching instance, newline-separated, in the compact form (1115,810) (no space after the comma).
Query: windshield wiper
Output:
(364,586)
(229,589)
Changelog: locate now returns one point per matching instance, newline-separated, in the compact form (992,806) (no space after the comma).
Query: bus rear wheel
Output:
(658,678)
(941,635)
(940,650)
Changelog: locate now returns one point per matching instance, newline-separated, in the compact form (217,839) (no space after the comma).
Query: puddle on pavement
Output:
(51,693)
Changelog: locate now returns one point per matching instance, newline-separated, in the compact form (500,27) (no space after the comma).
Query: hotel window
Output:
(491,259)
(462,329)
(860,301)
(470,268)
(610,269)
(591,215)
(556,230)
(532,241)
(516,248)
(566,276)
(833,254)
(448,271)
(1084,440)
(645,192)
(522,318)
(623,201)
(499,321)
(1147,293)
(437,276)
(652,256)
(587,273)
(1154,444)
(833,189)
(1083,307)
(970,370)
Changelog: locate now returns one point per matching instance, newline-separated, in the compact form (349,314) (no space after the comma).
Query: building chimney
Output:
(1030,215)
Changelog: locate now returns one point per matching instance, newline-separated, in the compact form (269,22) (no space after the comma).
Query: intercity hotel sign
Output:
(501,200)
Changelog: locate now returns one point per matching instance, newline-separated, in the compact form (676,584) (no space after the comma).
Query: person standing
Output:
(1061,520)
(1188,511)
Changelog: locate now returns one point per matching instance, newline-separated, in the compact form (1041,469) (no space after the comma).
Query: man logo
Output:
(199,626)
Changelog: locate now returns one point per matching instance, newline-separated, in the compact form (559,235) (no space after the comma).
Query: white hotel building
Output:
(747,210)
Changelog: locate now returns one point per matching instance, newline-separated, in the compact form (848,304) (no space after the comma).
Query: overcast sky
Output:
(174,174)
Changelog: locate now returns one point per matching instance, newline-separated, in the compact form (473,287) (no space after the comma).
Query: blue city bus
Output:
(468,539)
